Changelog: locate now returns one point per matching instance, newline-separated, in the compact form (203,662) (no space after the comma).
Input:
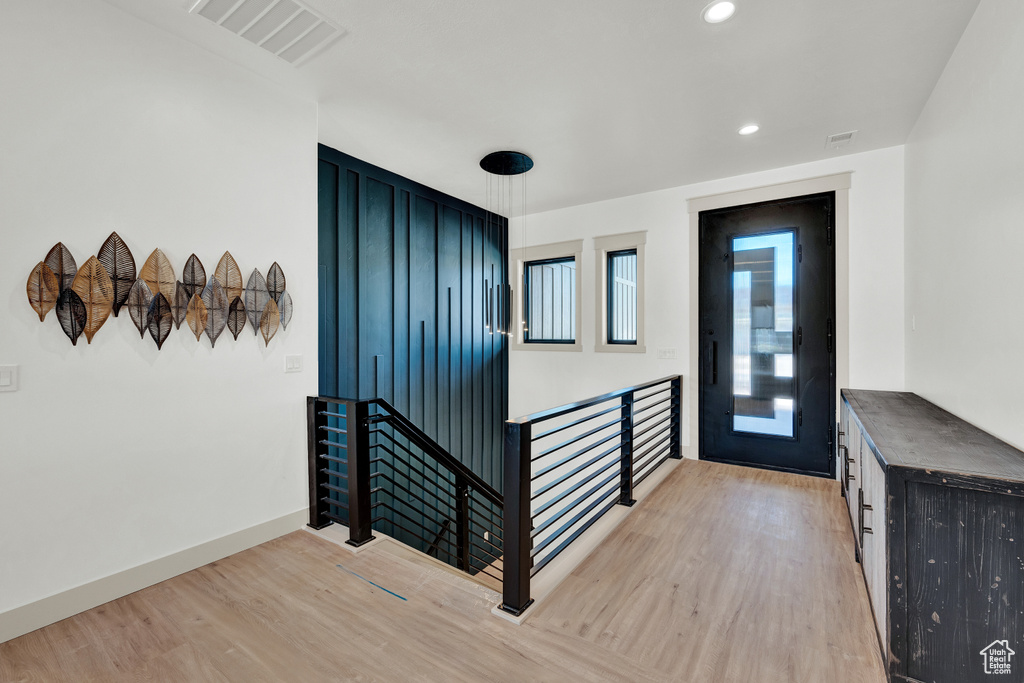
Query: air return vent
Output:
(286,28)
(839,139)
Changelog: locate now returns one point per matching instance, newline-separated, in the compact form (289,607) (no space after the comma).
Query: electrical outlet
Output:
(8,377)
(293,363)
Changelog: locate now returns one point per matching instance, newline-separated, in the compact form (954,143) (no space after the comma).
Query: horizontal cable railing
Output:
(372,469)
(567,466)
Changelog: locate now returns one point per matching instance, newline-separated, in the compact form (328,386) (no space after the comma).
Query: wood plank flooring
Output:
(722,574)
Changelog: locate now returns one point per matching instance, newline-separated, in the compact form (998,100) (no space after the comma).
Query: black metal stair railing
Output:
(372,469)
(588,458)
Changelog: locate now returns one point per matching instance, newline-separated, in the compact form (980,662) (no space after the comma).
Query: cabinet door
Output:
(873,551)
(853,441)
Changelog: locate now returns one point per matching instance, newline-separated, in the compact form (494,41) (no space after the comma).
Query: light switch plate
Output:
(293,363)
(8,377)
(666,354)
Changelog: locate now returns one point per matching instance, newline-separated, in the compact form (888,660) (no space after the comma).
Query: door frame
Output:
(838,183)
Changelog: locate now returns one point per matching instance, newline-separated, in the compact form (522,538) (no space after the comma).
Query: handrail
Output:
(437,452)
(382,472)
(558,411)
(551,498)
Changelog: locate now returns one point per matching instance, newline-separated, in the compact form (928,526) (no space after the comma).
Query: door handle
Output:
(714,362)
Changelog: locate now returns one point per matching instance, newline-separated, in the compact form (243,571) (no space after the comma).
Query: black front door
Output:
(767,311)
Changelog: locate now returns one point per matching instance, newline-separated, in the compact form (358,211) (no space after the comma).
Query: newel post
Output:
(626,452)
(517,519)
(676,450)
(315,423)
(357,428)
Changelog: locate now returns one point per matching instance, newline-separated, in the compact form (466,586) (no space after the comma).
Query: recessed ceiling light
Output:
(749,130)
(718,11)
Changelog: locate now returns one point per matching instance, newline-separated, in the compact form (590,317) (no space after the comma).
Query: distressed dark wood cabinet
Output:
(937,508)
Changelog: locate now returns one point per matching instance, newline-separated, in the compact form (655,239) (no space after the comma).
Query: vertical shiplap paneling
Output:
(327,268)
(402,300)
(376,298)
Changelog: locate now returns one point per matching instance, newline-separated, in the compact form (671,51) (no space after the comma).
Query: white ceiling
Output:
(609,97)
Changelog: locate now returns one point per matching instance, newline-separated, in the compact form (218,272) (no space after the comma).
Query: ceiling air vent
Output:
(839,140)
(285,28)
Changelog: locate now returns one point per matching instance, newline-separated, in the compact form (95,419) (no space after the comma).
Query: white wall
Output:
(540,379)
(115,454)
(965,229)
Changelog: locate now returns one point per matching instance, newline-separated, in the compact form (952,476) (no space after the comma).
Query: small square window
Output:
(551,301)
(622,296)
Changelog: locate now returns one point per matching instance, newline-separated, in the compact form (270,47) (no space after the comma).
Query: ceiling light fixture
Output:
(749,130)
(718,11)
(502,168)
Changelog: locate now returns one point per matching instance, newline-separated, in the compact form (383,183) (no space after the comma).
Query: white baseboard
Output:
(27,618)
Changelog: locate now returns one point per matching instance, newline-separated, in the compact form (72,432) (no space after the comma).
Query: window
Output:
(548,298)
(551,301)
(621,297)
(620,287)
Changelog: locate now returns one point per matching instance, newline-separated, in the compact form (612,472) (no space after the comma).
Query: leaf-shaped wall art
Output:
(275,282)
(194,276)
(71,314)
(216,302)
(179,305)
(158,274)
(117,258)
(196,316)
(229,276)
(139,299)
(43,290)
(94,287)
(256,298)
(285,306)
(236,316)
(160,319)
(270,321)
(63,265)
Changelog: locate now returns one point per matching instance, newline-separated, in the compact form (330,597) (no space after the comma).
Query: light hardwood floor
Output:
(722,574)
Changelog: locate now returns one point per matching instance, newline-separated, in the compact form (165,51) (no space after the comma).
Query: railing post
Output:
(517,519)
(315,422)
(677,418)
(626,453)
(462,523)
(357,428)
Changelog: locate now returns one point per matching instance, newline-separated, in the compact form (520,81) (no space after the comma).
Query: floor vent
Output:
(286,28)
(839,140)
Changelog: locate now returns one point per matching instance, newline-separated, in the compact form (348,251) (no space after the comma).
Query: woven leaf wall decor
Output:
(236,317)
(158,274)
(179,305)
(194,276)
(216,302)
(285,306)
(71,314)
(196,316)
(94,287)
(117,258)
(160,320)
(43,289)
(229,276)
(269,321)
(139,299)
(256,298)
(275,282)
(62,263)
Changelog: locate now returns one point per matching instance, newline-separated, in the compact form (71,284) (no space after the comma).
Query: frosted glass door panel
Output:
(762,334)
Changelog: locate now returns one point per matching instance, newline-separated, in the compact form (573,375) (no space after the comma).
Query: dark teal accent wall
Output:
(404,272)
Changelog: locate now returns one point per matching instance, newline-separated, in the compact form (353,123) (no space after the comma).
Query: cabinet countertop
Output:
(904,430)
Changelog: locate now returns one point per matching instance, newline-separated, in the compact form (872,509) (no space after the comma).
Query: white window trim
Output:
(603,245)
(572,248)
